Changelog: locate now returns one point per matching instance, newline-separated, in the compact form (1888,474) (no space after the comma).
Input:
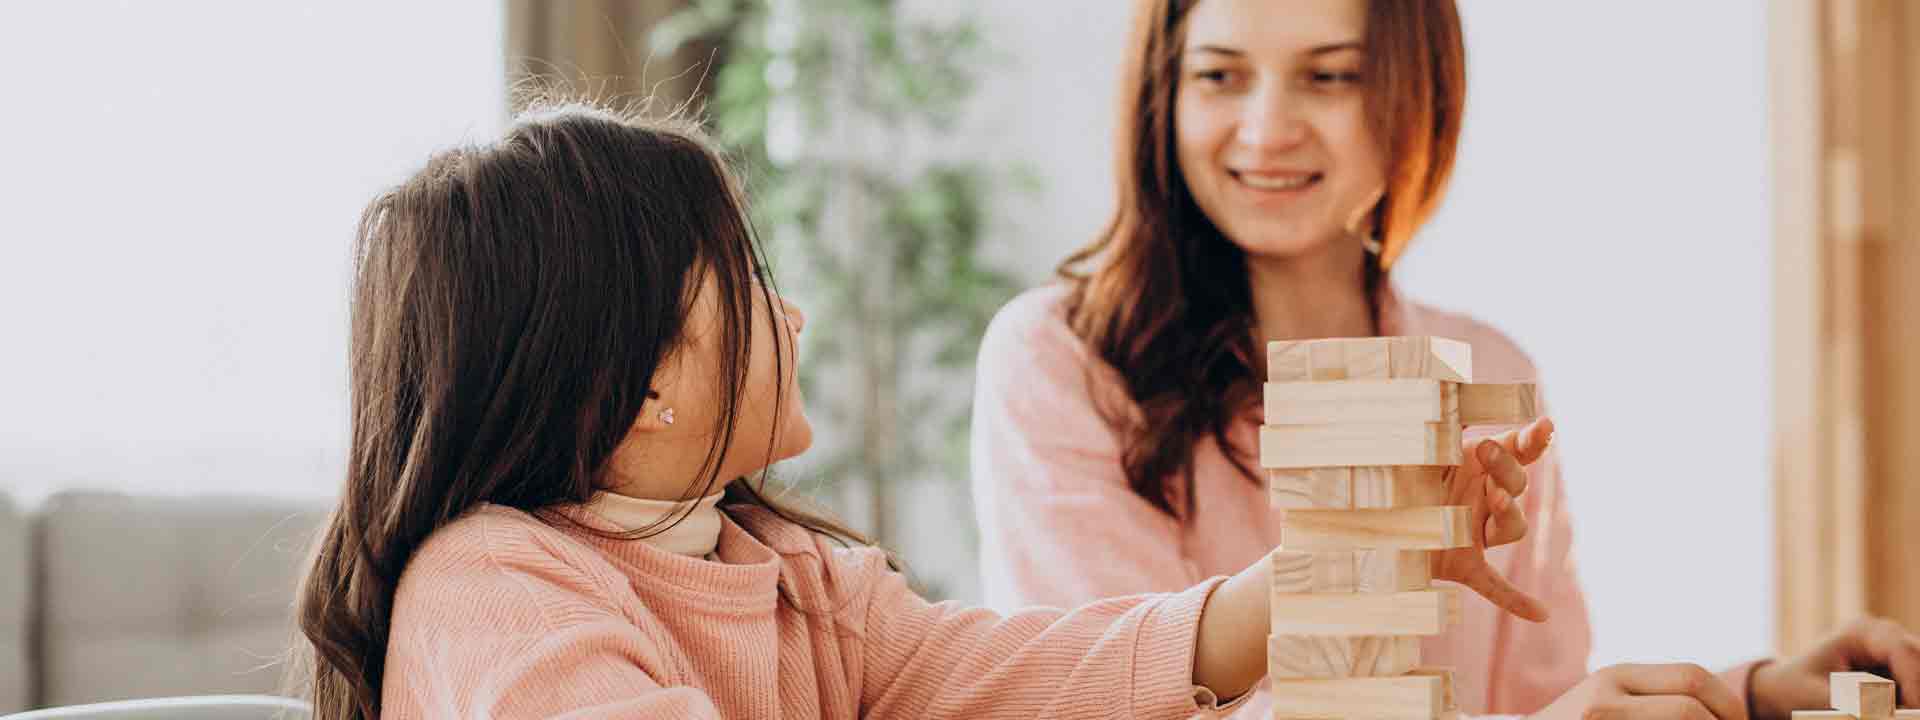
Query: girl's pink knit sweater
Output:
(502,614)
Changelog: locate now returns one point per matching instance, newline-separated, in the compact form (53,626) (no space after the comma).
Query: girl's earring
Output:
(666,415)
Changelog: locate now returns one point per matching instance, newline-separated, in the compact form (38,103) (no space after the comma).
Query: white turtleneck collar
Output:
(695,535)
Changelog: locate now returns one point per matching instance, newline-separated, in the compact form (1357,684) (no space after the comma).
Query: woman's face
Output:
(1269,119)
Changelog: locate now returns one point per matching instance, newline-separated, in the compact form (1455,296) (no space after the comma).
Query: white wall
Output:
(180,185)
(1609,212)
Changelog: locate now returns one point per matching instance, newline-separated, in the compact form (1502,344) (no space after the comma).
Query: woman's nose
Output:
(1271,120)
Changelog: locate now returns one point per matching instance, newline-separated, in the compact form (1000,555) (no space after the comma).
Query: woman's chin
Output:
(795,438)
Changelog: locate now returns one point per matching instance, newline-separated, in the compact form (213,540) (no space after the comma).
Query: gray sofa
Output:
(107,597)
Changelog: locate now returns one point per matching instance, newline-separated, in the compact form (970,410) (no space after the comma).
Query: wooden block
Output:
(1864,695)
(1906,714)
(1822,715)
(1401,486)
(1362,401)
(1299,657)
(1391,571)
(1488,404)
(1421,528)
(1446,676)
(1431,357)
(1301,488)
(1329,359)
(1308,446)
(1422,612)
(1310,572)
(1408,697)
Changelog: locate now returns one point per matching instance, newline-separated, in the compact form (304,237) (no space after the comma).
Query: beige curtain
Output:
(599,47)
(1845,84)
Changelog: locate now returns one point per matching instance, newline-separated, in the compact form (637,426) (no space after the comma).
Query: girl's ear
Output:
(656,413)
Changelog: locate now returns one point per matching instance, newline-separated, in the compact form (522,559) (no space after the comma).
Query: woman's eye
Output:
(1336,78)
(1212,77)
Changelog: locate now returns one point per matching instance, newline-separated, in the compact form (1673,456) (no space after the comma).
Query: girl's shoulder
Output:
(507,549)
(1033,323)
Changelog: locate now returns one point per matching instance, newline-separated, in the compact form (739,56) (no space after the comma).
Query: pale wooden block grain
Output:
(1308,446)
(1390,571)
(1416,400)
(1329,359)
(1300,488)
(1863,695)
(1431,357)
(1308,656)
(1420,528)
(1821,715)
(1399,486)
(1421,612)
(1446,675)
(1408,697)
(1491,404)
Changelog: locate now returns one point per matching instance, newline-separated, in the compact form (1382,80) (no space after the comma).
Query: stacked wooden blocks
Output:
(1360,439)
(1859,696)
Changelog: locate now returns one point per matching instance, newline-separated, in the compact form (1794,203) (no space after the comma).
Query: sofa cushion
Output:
(16,618)
(152,596)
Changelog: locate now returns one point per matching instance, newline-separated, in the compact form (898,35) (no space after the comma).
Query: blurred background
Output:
(1695,216)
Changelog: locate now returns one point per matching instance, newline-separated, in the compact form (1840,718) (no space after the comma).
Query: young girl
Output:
(564,368)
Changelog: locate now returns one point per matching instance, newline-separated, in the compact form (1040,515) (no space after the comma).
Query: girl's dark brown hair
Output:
(510,305)
(1166,302)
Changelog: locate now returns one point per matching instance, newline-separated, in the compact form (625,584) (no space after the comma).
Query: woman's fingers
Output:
(1499,462)
(1684,679)
(1506,521)
(1482,579)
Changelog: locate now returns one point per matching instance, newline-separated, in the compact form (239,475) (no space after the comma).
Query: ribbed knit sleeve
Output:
(1127,657)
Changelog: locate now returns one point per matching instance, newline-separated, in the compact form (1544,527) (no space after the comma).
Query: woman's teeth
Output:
(1278,182)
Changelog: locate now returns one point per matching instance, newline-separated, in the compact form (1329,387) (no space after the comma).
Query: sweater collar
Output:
(682,527)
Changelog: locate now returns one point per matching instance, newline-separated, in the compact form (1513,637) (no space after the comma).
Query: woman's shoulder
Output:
(1497,357)
(1032,323)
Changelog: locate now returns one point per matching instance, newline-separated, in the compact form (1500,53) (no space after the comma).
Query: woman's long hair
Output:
(1166,303)
(510,306)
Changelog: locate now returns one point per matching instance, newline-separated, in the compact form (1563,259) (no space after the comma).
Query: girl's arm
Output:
(1124,657)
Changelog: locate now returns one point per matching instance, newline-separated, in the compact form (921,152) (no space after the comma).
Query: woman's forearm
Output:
(1230,654)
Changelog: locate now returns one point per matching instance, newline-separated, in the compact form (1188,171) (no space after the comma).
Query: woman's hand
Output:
(1490,481)
(1881,647)
(1648,692)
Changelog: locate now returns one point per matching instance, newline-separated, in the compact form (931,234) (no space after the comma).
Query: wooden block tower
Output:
(1859,696)
(1359,441)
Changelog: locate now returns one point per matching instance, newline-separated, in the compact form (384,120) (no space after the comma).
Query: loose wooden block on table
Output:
(1361,401)
(1301,657)
(1495,404)
(1864,695)
(1351,444)
(1420,612)
(1421,528)
(1407,697)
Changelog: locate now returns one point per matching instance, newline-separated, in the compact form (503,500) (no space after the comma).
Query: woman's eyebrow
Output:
(1220,49)
(1335,47)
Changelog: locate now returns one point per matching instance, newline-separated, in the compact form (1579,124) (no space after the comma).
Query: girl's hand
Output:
(1881,647)
(1491,481)
(1648,692)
